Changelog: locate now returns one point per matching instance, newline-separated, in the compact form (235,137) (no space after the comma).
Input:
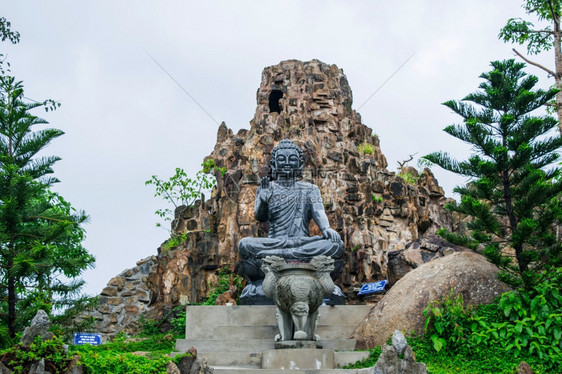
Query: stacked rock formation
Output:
(374,210)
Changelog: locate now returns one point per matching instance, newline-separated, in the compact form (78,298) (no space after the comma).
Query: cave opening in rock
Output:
(274,98)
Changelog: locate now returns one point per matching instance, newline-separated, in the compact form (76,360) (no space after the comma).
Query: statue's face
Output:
(287,162)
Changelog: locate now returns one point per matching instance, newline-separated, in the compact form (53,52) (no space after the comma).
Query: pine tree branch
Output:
(550,72)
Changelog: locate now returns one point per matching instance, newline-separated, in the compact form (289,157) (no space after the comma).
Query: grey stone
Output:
(186,362)
(390,363)
(4,369)
(284,359)
(468,273)
(298,290)
(399,342)
(38,367)
(200,367)
(171,368)
(39,327)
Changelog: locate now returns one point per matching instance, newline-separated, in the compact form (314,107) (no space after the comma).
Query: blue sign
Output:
(372,287)
(81,338)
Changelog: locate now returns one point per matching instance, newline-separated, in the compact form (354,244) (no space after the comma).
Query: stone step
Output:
(254,360)
(235,370)
(252,345)
(264,332)
(263,315)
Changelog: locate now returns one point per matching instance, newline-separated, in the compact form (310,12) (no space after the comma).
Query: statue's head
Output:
(286,160)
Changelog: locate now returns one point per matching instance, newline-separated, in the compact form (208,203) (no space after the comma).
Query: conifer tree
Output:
(513,193)
(40,233)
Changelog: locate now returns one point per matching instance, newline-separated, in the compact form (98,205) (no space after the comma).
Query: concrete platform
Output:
(240,339)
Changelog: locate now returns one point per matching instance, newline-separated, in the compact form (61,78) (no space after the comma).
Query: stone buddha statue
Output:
(289,205)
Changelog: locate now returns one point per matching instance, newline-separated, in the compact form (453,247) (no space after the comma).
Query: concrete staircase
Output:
(239,339)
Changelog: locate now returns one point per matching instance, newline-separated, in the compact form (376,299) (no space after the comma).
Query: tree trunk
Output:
(523,265)
(11,299)
(558,70)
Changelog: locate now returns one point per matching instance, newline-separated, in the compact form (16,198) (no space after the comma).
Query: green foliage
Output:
(20,358)
(175,240)
(13,37)
(182,191)
(366,148)
(40,232)
(523,325)
(177,358)
(368,362)
(522,32)
(448,318)
(178,321)
(514,187)
(408,177)
(117,357)
(175,318)
(490,360)
(225,280)
(376,199)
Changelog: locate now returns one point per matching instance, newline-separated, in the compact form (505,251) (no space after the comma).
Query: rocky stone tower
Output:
(374,210)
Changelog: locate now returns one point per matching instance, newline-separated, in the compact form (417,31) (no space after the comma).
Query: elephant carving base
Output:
(298,290)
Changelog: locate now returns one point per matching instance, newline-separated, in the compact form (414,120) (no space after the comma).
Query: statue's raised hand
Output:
(265,191)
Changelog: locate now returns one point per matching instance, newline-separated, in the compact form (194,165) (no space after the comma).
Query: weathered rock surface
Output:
(524,368)
(4,369)
(172,368)
(374,210)
(186,362)
(468,273)
(125,298)
(39,327)
(200,367)
(389,361)
(417,253)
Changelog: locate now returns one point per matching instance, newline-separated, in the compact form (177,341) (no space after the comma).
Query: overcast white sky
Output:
(125,119)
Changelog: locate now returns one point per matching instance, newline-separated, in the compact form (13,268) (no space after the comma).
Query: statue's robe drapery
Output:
(289,212)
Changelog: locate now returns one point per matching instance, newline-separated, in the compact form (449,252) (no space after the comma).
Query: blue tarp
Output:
(372,287)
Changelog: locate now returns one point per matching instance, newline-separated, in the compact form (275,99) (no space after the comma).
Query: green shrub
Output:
(522,325)
(449,320)
(117,357)
(20,358)
(366,148)
(225,280)
(368,362)
(408,178)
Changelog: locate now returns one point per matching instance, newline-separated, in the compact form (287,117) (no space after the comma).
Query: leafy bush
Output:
(522,325)
(366,148)
(20,358)
(225,280)
(124,356)
(408,178)
(449,319)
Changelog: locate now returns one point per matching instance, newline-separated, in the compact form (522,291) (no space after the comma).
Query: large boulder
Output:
(417,253)
(402,307)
